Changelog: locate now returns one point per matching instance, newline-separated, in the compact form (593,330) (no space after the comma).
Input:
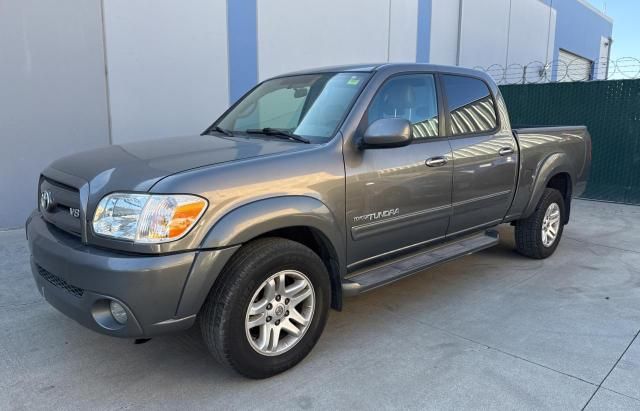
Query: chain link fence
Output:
(565,69)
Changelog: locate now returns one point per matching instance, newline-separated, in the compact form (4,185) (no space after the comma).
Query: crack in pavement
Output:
(621,394)
(611,370)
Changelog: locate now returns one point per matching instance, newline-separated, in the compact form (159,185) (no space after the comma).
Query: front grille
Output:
(60,283)
(65,198)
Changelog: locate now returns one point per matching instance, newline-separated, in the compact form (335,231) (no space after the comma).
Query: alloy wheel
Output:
(280,312)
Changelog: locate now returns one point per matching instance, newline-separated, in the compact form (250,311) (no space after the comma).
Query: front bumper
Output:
(161,293)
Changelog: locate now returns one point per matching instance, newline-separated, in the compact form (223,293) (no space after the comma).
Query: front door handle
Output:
(436,161)
(505,151)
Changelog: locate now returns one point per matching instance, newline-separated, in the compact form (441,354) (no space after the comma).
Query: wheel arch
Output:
(305,220)
(553,172)
(562,182)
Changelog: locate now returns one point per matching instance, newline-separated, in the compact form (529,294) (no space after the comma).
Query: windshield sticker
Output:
(353,81)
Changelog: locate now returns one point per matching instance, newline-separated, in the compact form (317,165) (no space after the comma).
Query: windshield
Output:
(310,105)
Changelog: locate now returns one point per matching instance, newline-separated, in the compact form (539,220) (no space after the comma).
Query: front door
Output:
(399,197)
(484,155)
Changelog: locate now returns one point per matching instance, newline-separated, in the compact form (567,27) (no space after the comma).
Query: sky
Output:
(626,26)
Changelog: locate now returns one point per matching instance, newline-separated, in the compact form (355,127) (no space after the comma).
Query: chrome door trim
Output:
(484,197)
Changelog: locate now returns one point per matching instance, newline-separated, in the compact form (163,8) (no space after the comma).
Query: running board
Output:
(406,266)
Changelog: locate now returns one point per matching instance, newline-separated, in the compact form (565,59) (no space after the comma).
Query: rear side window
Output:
(409,96)
(471,105)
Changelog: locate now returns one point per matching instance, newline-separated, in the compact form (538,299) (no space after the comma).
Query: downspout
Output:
(106,74)
(389,32)
(608,57)
(459,31)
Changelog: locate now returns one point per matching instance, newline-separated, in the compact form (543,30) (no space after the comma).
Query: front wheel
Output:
(268,308)
(538,235)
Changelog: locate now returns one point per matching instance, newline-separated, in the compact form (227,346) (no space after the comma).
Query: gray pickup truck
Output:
(312,187)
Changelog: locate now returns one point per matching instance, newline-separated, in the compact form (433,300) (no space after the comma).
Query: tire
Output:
(530,240)
(225,316)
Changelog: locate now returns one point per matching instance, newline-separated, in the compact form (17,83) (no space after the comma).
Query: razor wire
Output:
(563,71)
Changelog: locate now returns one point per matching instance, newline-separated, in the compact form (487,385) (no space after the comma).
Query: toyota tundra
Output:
(314,186)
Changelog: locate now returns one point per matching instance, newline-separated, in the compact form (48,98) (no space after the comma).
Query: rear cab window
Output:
(470,104)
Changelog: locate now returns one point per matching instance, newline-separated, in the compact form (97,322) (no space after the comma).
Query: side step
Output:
(406,266)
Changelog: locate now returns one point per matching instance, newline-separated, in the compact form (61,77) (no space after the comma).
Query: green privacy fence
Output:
(611,111)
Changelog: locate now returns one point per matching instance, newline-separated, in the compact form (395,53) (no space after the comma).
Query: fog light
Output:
(118,312)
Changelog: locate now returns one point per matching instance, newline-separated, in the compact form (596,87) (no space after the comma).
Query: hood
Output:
(138,166)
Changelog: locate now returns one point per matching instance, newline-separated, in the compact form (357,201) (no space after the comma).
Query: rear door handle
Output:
(436,161)
(505,151)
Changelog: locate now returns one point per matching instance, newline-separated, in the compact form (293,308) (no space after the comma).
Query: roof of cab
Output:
(335,69)
(394,68)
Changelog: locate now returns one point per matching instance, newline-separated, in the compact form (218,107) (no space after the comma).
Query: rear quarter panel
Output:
(545,152)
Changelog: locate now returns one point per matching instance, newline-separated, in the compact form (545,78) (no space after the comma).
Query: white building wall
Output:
(531,41)
(444,31)
(499,35)
(295,35)
(402,30)
(484,34)
(52,93)
(167,66)
(531,32)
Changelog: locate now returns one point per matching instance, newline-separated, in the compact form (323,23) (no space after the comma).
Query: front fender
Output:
(262,216)
(553,164)
(259,217)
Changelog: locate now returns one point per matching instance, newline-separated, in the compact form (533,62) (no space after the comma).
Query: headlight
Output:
(147,218)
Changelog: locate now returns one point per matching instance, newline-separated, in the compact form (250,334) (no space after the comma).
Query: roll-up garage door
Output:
(572,67)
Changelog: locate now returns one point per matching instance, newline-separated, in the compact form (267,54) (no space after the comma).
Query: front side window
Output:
(470,104)
(311,105)
(412,97)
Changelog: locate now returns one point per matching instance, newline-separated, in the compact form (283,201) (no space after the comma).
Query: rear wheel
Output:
(538,235)
(268,308)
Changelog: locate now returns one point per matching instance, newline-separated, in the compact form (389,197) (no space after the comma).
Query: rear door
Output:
(400,197)
(484,155)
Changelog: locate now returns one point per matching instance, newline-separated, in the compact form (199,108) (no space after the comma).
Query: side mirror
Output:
(388,132)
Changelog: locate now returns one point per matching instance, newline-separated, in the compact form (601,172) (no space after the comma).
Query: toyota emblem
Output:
(46,200)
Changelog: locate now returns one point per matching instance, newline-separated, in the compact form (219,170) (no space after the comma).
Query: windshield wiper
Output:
(221,130)
(269,131)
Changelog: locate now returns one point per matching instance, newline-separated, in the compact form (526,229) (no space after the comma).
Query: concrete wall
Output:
(52,93)
(485,32)
(499,34)
(531,42)
(444,31)
(167,65)
(403,30)
(506,32)
(531,32)
(294,35)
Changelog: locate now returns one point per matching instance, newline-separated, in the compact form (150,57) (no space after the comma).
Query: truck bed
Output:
(540,144)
